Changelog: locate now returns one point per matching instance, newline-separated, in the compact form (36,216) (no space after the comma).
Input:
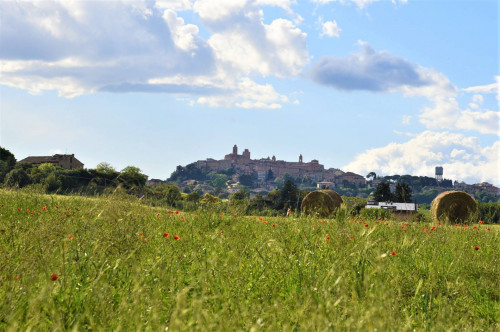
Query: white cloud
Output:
(462,157)
(488,88)
(78,47)
(381,71)
(182,34)
(330,29)
(360,3)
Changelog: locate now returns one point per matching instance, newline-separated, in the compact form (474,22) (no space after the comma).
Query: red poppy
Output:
(166,234)
(351,238)
(261,218)
(177,212)
(220,216)
(328,239)
(71,237)
(45,207)
(481,222)
(265,222)
(177,237)
(221,232)
(141,234)
(158,214)
(18,209)
(433,228)
(488,229)
(54,276)
(393,253)
(274,225)
(476,248)
(57,207)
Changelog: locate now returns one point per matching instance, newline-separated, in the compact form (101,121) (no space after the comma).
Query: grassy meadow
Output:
(75,263)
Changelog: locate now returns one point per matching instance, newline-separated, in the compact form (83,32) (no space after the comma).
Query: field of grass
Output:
(114,264)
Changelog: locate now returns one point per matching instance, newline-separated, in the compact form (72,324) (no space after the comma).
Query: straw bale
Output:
(337,200)
(453,207)
(321,203)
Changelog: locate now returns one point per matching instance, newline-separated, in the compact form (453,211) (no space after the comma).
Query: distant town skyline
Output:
(391,87)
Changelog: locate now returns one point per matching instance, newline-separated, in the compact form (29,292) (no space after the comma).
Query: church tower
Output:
(235,150)
(300,159)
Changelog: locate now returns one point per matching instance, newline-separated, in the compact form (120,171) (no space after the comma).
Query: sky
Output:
(391,87)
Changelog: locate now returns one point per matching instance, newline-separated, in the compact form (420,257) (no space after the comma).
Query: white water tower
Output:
(439,173)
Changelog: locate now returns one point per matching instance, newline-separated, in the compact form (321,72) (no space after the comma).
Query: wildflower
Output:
(45,208)
(176,237)
(234,214)
(328,239)
(221,232)
(387,223)
(57,207)
(474,227)
(476,248)
(274,225)
(481,222)
(366,225)
(351,238)
(261,218)
(488,229)
(380,219)
(406,224)
(393,253)
(54,276)
(71,237)
(166,234)
(220,216)
(158,214)
(433,228)
(18,209)
(265,222)
(177,212)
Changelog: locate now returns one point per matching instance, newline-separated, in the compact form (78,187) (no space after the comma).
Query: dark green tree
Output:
(173,195)
(132,176)
(372,175)
(240,195)
(7,162)
(403,193)
(288,196)
(17,178)
(270,175)
(245,180)
(383,192)
(193,196)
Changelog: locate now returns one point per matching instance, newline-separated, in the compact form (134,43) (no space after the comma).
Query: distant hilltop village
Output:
(242,164)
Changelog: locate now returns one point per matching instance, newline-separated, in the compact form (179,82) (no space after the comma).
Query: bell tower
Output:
(300,159)
(235,150)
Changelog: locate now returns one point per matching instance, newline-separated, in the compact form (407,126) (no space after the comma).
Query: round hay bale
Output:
(453,207)
(337,200)
(318,203)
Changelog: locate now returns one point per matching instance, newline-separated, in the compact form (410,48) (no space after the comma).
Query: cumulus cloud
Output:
(78,47)
(462,157)
(381,71)
(368,70)
(360,3)
(329,28)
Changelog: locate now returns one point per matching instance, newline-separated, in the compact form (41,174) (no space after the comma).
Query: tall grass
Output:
(116,270)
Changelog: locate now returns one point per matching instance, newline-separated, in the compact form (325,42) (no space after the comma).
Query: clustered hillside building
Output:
(66,161)
(243,164)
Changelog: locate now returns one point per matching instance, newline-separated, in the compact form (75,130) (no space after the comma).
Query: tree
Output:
(288,196)
(219,181)
(372,175)
(173,195)
(7,162)
(403,193)
(383,192)
(193,196)
(17,178)
(240,195)
(132,176)
(106,168)
(245,180)
(270,175)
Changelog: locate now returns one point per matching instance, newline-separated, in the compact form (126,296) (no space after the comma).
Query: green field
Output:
(115,269)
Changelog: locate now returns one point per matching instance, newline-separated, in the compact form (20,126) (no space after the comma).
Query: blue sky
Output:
(394,87)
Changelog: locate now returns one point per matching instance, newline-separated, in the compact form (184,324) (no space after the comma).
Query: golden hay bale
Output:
(453,207)
(319,203)
(337,200)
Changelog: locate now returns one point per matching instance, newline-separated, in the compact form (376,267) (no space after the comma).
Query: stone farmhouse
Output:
(243,164)
(66,161)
